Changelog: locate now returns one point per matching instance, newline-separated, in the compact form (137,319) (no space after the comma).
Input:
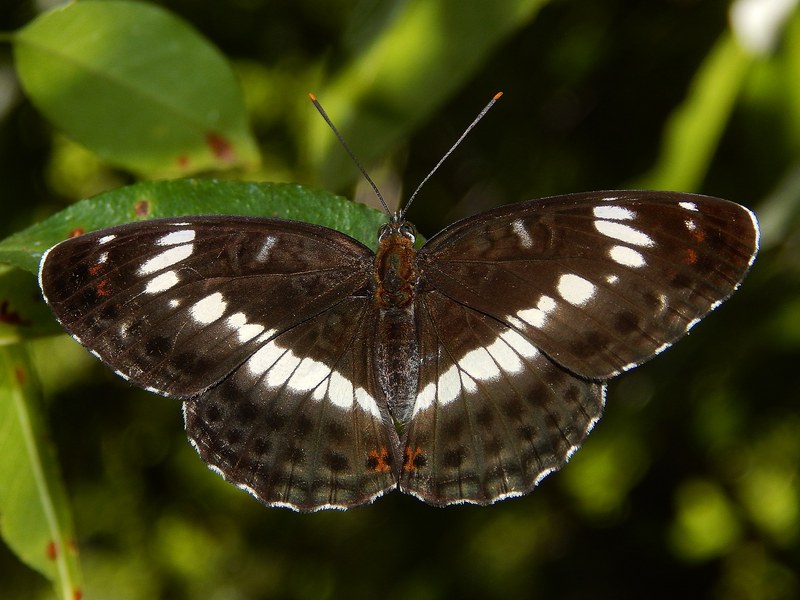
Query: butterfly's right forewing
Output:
(176,304)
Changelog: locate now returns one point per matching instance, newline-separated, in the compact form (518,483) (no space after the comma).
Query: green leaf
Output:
(36,519)
(137,86)
(414,65)
(153,199)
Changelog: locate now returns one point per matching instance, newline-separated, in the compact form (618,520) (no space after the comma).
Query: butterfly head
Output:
(398,226)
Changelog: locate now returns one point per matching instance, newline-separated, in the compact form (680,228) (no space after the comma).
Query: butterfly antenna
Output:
(449,152)
(338,135)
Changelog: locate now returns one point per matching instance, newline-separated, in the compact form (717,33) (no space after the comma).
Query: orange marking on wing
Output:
(691,256)
(95,269)
(379,460)
(409,464)
(103,287)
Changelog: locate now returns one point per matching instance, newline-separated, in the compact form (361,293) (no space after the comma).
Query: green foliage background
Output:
(689,485)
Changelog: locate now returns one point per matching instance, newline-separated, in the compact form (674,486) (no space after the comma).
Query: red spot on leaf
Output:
(77,594)
(220,147)
(76,232)
(141,208)
(183,162)
(20,375)
(52,550)
(11,317)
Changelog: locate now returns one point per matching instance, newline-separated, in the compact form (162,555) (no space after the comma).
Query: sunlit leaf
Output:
(137,86)
(150,200)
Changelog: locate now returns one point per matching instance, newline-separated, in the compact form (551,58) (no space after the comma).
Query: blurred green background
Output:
(688,487)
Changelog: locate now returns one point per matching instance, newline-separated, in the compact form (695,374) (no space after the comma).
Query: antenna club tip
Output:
(497,96)
(312,96)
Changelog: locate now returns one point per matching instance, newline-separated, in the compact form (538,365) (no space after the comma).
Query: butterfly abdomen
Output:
(397,347)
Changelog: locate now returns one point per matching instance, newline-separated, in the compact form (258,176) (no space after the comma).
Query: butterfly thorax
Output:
(396,350)
(395,274)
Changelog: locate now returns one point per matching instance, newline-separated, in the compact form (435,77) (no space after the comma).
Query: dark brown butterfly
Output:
(318,374)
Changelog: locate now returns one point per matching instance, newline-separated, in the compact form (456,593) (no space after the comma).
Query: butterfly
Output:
(318,374)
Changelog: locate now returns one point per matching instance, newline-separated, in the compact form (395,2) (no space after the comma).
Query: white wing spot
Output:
(538,316)
(627,257)
(690,224)
(282,369)
(367,402)
(612,279)
(425,398)
(519,343)
(615,213)
(209,309)
(478,364)
(340,390)
(688,206)
(106,238)
(504,356)
(266,248)
(244,331)
(524,237)
(264,358)
(161,283)
(624,233)
(102,258)
(308,375)
(448,388)
(575,289)
(176,237)
(174,303)
(166,259)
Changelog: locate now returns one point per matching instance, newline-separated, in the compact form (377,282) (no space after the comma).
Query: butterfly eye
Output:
(408,231)
(385,230)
